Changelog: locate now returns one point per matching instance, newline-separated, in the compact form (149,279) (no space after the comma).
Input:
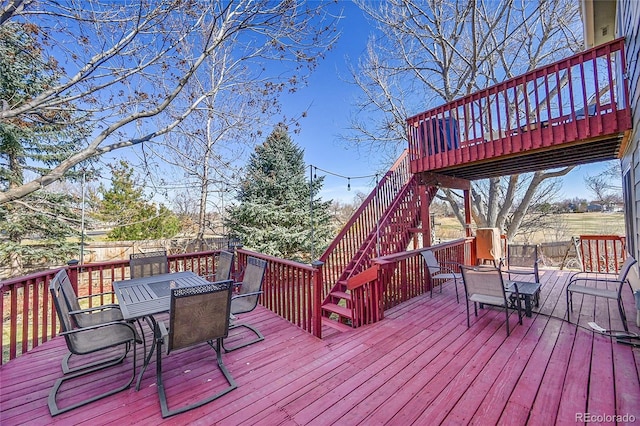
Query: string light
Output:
(313,170)
(348,178)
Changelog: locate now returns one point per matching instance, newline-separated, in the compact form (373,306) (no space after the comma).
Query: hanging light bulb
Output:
(348,184)
(315,171)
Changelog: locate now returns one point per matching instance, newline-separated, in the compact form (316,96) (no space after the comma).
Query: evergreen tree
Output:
(29,145)
(133,217)
(274,213)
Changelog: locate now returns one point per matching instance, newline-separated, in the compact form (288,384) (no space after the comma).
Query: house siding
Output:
(628,23)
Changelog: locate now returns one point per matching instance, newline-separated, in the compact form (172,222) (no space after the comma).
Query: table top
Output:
(524,287)
(140,297)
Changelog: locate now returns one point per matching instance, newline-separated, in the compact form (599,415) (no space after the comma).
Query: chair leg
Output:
(166,412)
(53,405)
(506,311)
(623,316)
(569,305)
(468,323)
(455,283)
(251,342)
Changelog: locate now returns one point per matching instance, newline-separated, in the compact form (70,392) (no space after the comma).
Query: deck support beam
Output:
(440,180)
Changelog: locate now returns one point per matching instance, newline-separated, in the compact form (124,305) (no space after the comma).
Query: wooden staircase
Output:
(384,224)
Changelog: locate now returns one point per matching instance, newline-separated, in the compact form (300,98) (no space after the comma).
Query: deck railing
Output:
(291,290)
(573,99)
(28,317)
(399,277)
(602,253)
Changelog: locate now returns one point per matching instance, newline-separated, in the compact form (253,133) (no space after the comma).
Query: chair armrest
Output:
(596,275)
(106,293)
(518,272)
(93,309)
(597,280)
(451,267)
(162,334)
(238,296)
(106,324)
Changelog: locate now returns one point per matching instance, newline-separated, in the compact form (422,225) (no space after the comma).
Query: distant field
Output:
(561,228)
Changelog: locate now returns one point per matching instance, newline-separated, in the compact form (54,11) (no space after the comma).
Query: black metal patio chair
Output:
(483,285)
(197,315)
(148,264)
(223,266)
(89,340)
(598,286)
(87,317)
(246,300)
(441,271)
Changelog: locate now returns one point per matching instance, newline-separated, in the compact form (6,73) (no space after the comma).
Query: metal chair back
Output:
(199,314)
(225,264)
(626,268)
(148,264)
(525,255)
(484,281)
(69,294)
(432,263)
(251,286)
(57,289)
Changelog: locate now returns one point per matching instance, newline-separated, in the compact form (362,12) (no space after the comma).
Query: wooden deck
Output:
(420,365)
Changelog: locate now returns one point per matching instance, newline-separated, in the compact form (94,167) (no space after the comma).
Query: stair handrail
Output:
(384,220)
(388,187)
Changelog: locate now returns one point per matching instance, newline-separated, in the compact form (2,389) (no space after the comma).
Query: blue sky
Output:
(328,98)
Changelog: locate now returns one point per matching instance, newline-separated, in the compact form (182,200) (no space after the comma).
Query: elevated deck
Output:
(574,111)
(420,365)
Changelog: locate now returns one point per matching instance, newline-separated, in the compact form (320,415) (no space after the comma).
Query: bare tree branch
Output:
(128,65)
(425,54)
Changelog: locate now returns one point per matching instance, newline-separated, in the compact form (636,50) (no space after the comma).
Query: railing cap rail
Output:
(611,46)
(31,277)
(278,260)
(391,258)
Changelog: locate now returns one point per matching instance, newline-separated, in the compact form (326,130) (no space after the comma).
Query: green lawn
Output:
(560,228)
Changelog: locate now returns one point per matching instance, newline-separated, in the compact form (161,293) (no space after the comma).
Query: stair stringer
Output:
(391,234)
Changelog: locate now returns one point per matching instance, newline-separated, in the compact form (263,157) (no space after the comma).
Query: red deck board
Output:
(419,365)
(509,378)
(545,406)
(428,367)
(576,384)
(602,387)
(457,358)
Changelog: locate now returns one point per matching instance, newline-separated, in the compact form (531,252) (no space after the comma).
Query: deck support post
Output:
(317,298)
(467,212)
(72,273)
(425,216)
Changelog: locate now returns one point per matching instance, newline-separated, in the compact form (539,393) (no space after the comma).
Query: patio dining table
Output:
(148,296)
